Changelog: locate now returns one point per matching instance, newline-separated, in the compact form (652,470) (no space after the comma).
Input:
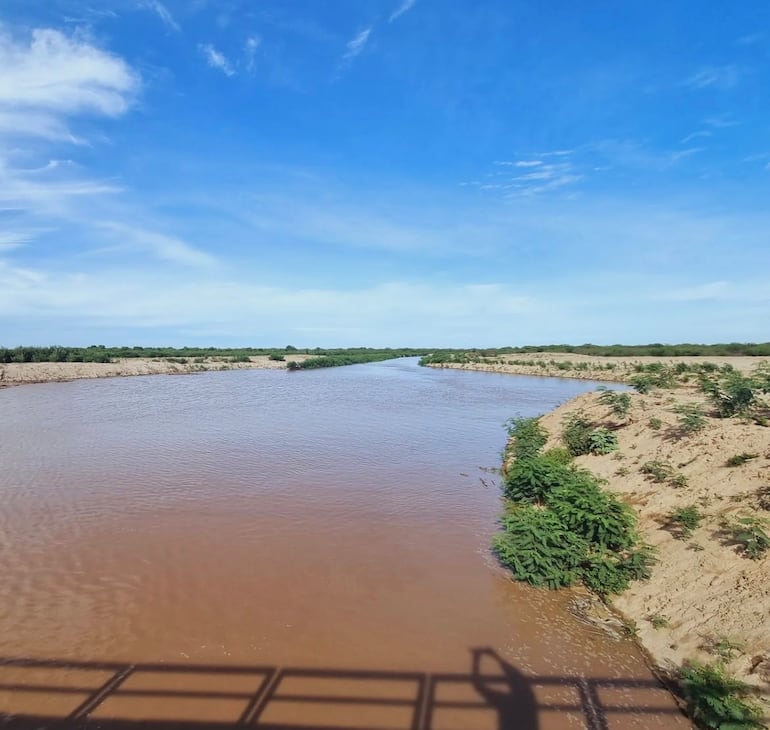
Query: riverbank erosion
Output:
(52,372)
(700,485)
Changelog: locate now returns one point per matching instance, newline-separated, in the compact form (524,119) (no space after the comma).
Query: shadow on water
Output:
(494,694)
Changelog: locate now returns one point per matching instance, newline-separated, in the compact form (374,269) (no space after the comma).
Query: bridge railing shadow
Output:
(493,695)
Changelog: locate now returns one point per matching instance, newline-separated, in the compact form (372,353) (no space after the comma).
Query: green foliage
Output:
(576,429)
(716,700)
(658,471)
(749,534)
(655,423)
(293,365)
(722,646)
(691,418)
(593,513)
(658,621)
(641,383)
(531,479)
(741,459)
(276,356)
(678,481)
(619,403)
(602,441)
(528,437)
(685,520)
(731,394)
(538,549)
(559,455)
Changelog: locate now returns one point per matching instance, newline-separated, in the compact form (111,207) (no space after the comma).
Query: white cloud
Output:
(357,44)
(216,59)
(696,135)
(720,77)
(163,13)
(52,77)
(529,163)
(405,7)
(250,52)
(161,245)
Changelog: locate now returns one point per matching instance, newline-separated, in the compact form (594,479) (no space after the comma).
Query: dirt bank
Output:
(705,600)
(46,372)
(585,367)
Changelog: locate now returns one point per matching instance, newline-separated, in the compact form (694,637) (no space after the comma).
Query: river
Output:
(285,550)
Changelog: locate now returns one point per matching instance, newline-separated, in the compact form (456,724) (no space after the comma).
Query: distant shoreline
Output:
(29,373)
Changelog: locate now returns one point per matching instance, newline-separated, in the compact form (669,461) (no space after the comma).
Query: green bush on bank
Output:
(716,700)
(560,526)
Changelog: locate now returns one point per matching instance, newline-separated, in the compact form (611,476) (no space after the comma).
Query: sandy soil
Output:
(45,372)
(586,367)
(702,587)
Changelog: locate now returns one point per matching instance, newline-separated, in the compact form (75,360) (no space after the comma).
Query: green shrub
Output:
(741,459)
(658,471)
(749,534)
(528,437)
(678,481)
(602,441)
(619,403)
(731,395)
(658,621)
(691,418)
(576,429)
(655,423)
(558,455)
(531,479)
(594,514)
(685,520)
(716,700)
(276,356)
(538,549)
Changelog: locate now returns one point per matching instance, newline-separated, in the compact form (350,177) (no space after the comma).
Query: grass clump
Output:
(655,424)
(716,700)
(741,459)
(658,621)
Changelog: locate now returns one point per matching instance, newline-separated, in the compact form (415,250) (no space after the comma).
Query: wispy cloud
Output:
(719,77)
(250,52)
(405,7)
(697,135)
(216,59)
(163,13)
(357,44)
(161,245)
(52,77)
(531,176)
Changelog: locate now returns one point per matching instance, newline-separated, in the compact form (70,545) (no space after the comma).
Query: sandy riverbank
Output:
(586,367)
(704,598)
(47,372)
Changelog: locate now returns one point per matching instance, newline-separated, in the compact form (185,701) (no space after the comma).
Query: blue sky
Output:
(383,172)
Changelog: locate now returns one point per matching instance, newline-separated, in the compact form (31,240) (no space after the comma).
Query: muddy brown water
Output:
(285,550)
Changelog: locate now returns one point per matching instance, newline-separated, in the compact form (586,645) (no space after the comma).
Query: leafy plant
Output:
(531,479)
(537,548)
(717,700)
(741,459)
(658,621)
(594,514)
(576,429)
(619,403)
(691,418)
(655,423)
(276,356)
(602,441)
(731,395)
(678,481)
(749,534)
(658,471)
(528,437)
(685,520)
(722,646)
